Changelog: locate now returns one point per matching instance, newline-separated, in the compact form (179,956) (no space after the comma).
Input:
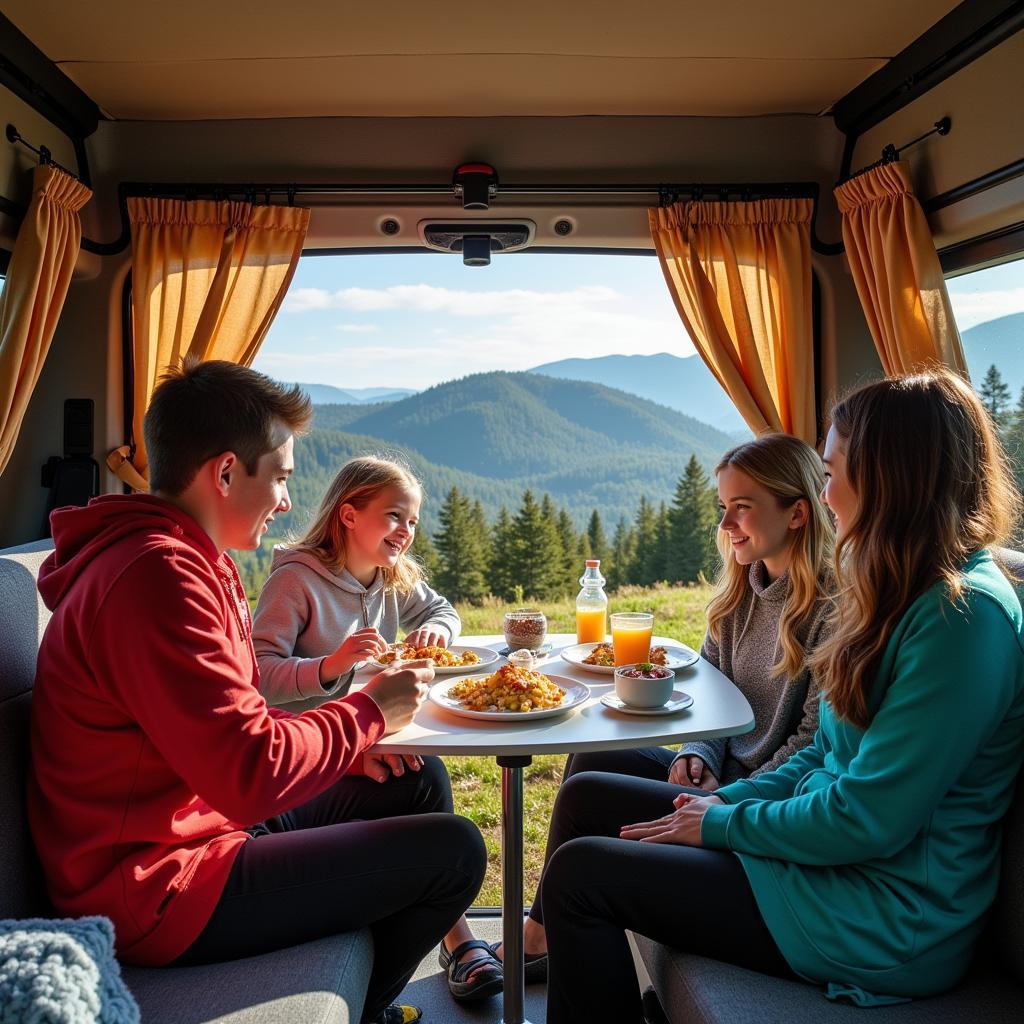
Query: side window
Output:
(989,309)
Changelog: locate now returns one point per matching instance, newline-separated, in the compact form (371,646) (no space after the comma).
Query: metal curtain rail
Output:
(661,194)
(971,188)
(891,153)
(45,156)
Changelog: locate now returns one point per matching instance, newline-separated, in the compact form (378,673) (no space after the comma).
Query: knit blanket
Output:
(62,972)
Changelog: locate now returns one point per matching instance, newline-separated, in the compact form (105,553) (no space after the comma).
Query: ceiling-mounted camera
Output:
(475,183)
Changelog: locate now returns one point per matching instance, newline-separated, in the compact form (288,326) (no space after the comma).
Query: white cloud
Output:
(357,328)
(973,308)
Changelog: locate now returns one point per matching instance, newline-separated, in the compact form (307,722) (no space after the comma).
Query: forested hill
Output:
(494,435)
(502,425)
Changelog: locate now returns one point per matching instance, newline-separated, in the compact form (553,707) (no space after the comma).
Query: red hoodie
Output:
(151,745)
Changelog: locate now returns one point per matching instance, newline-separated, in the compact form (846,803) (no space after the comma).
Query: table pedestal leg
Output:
(512,886)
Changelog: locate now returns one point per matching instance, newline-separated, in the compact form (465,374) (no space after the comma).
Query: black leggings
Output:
(389,856)
(596,886)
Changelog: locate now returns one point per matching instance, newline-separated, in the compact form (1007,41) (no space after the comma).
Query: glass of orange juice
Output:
(631,636)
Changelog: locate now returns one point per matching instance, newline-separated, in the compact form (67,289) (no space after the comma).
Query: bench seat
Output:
(322,982)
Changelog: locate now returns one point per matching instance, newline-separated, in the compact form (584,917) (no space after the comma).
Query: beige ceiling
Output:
(202,59)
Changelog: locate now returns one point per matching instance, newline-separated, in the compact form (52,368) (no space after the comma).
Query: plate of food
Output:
(600,658)
(510,694)
(446,659)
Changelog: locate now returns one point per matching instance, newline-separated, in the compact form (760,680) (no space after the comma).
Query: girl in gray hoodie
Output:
(336,599)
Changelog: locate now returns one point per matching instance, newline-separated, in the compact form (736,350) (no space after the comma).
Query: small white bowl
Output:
(640,692)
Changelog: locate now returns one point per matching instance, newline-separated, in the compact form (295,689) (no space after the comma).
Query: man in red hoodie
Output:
(164,793)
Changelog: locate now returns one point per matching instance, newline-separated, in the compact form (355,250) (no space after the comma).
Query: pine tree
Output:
(572,567)
(995,396)
(537,549)
(1014,441)
(692,526)
(462,570)
(483,533)
(646,528)
(425,553)
(657,556)
(623,548)
(503,557)
(598,542)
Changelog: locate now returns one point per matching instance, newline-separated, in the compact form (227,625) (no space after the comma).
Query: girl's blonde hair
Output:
(358,482)
(789,470)
(933,487)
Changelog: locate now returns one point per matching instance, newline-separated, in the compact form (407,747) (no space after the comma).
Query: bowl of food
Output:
(644,685)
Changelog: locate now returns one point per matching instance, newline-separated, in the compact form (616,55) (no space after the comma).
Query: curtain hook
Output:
(291,195)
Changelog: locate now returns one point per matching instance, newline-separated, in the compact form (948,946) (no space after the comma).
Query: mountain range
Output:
(495,434)
(999,342)
(326,394)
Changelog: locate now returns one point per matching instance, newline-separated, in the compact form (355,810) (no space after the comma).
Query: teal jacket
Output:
(874,854)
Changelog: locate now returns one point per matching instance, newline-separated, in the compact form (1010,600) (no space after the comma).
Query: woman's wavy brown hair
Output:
(358,482)
(789,470)
(933,487)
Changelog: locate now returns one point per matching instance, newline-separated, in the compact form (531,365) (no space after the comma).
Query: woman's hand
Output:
(681,827)
(427,636)
(381,767)
(690,770)
(363,645)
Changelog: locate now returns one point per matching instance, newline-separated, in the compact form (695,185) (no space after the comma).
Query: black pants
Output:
(596,886)
(641,763)
(389,856)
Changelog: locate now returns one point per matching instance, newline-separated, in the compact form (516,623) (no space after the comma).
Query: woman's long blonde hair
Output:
(932,487)
(789,470)
(358,482)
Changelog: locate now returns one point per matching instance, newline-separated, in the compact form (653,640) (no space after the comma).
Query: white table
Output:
(719,709)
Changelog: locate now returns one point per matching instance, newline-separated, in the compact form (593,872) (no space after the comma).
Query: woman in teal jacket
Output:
(868,862)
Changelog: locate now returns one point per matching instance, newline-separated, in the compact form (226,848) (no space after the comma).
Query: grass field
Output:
(476,781)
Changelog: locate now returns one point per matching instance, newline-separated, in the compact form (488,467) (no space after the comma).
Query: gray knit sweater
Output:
(785,710)
(305,611)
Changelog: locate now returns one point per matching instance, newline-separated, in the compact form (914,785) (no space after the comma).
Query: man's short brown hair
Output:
(202,409)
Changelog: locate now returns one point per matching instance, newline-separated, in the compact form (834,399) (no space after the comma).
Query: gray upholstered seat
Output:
(316,983)
(699,991)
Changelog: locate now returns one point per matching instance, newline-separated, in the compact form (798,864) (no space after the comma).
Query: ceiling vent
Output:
(477,239)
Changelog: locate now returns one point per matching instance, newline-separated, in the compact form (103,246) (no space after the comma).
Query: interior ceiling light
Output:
(477,239)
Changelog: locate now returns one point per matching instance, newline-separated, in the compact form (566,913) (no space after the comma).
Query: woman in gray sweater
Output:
(767,614)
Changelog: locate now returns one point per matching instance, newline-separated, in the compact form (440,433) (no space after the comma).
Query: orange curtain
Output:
(740,276)
(37,284)
(897,273)
(207,280)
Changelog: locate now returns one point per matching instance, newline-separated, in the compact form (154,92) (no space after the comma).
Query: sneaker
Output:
(399,1013)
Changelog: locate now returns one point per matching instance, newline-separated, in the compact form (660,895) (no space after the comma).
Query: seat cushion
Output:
(321,982)
(696,990)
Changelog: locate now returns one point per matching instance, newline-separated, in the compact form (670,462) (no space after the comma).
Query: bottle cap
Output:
(593,563)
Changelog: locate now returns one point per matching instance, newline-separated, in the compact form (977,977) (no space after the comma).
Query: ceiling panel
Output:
(197,59)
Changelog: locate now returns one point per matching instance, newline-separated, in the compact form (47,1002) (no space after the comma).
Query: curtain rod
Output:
(45,156)
(891,153)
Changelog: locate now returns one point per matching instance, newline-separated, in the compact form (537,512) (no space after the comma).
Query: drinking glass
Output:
(631,636)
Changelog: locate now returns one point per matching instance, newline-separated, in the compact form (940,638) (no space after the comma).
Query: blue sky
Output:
(410,321)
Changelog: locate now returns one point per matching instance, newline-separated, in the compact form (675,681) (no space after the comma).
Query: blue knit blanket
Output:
(62,972)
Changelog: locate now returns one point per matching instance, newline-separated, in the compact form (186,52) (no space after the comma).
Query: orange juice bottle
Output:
(591,605)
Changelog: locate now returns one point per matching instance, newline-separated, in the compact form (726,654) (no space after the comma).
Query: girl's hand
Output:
(681,827)
(691,770)
(427,636)
(381,767)
(363,645)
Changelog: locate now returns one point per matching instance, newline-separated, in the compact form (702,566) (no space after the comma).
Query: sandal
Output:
(535,965)
(399,1013)
(470,980)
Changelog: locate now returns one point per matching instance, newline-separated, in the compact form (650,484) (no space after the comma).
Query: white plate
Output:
(680,702)
(677,656)
(576,693)
(485,654)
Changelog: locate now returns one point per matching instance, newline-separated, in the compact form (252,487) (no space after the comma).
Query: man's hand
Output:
(399,691)
(381,767)
(681,827)
(427,636)
(690,770)
(363,645)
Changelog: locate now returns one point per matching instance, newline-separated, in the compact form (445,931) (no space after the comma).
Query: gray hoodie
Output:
(305,611)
